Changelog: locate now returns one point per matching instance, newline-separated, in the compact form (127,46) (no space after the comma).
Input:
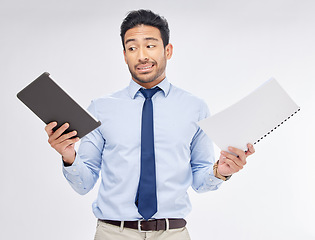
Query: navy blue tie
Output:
(146,195)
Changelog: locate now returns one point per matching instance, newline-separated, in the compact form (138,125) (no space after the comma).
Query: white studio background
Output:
(222,51)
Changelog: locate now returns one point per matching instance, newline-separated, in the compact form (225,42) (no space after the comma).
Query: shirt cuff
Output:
(210,183)
(74,168)
(213,180)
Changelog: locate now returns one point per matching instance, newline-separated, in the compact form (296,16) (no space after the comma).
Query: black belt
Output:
(151,225)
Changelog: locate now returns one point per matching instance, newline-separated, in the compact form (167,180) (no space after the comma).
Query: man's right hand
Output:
(62,143)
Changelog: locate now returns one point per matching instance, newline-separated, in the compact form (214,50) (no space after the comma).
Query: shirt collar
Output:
(134,87)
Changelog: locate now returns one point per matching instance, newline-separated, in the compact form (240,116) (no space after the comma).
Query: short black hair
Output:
(148,18)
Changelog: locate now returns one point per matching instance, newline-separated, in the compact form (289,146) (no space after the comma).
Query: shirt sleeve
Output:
(84,172)
(202,158)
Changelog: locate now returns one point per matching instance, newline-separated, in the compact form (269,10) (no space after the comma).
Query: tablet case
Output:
(51,103)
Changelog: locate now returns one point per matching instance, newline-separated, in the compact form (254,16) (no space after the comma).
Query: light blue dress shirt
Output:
(183,153)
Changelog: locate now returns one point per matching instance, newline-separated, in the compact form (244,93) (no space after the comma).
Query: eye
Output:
(131,49)
(150,46)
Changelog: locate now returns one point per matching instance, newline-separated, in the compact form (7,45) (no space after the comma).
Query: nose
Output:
(142,55)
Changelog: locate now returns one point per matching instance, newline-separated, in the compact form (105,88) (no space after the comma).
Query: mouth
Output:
(145,68)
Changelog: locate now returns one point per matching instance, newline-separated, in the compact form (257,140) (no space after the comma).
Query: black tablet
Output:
(51,103)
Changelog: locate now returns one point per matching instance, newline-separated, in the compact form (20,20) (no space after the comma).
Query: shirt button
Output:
(210,179)
(74,170)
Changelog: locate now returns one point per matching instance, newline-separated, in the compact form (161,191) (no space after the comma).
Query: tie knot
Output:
(148,93)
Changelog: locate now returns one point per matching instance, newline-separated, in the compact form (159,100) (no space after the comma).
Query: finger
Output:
(63,145)
(49,128)
(64,137)
(232,165)
(59,131)
(250,150)
(237,160)
(69,142)
(240,153)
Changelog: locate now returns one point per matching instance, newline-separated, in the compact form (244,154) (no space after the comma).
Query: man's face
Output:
(145,55)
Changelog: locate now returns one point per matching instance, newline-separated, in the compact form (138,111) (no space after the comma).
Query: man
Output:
(149,148)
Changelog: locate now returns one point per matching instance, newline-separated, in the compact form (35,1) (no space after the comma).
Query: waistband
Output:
(150,225)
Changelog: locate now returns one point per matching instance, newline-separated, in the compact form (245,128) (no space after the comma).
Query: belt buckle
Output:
(139,226)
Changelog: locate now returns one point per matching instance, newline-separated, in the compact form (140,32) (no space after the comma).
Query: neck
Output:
(149,85)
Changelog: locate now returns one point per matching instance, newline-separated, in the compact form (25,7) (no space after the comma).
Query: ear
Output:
(169,51)
(125,56)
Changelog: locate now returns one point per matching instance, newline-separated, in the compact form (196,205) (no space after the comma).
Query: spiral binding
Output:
(277,126)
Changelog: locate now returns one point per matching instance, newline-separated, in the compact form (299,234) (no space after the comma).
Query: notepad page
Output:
(251,118)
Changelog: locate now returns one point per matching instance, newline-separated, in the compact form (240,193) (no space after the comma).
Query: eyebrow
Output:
(147,39)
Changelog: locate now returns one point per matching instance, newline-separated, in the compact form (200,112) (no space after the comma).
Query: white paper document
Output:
(252,118)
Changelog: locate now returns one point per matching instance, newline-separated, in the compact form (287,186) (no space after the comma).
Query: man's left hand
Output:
(230,164)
